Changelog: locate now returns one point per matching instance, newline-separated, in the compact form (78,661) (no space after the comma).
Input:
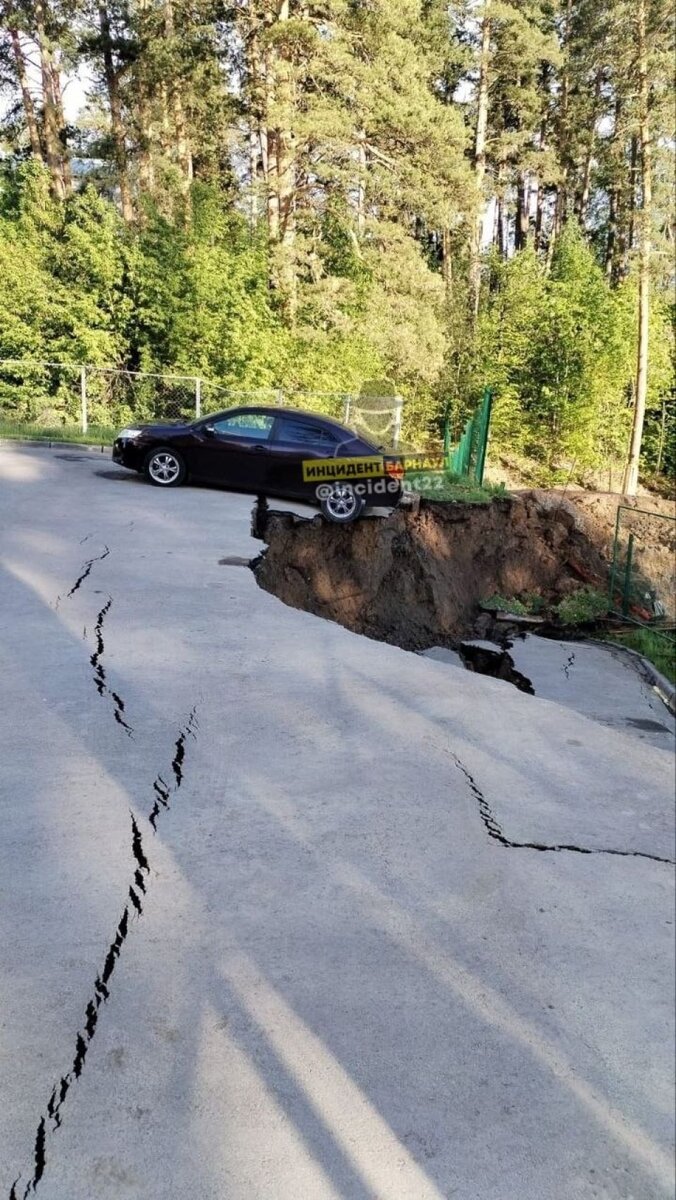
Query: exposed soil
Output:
(654,529)
(415,579)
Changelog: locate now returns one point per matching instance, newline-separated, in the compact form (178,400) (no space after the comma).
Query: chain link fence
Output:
(62,400)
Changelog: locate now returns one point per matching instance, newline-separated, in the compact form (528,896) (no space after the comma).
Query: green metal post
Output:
(613,569)
(485,423)
(627,575)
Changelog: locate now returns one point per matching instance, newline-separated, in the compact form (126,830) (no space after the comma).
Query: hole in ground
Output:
(415,579)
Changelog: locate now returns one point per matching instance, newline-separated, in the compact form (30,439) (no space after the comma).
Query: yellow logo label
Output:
(317,469)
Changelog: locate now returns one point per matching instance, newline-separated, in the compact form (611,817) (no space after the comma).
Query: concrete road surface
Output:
(287,913)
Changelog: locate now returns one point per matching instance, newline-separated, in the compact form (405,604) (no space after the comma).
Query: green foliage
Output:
(558,349)
(289,196)
(582,607)
(445,488)
(498,603)
(659,648)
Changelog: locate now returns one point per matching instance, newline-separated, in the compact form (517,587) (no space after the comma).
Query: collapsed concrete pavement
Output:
(260,937)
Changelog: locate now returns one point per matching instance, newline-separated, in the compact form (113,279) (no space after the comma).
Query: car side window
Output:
(294,429)
(253,426)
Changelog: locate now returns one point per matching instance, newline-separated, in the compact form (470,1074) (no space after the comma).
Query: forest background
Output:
(282,193)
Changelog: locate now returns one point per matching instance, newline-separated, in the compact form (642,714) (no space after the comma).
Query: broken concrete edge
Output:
(53,444)
(660,684)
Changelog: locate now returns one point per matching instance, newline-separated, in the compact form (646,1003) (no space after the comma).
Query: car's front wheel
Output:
(342,504)
(164,467)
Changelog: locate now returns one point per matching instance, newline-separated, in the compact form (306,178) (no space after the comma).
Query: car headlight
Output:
(130,433)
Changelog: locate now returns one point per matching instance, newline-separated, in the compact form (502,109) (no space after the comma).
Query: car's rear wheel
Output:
(164,467)
(342,505)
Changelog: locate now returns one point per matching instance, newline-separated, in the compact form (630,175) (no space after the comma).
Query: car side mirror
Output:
(209,430)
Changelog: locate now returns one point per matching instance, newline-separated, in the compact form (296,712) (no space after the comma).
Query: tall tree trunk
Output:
(116,122)
(181,136)
(582,199)
(561,204)
(26,97)
(284,161)
(633,187)
(611,237)
(51,130)
(615,194)
(645,148)
(522,214)
(361,182)
(480,161)
(61,127)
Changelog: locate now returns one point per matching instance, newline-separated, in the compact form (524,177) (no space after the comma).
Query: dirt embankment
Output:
(651,522)
(415,579)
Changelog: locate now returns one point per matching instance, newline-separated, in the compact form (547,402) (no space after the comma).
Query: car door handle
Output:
(259,449)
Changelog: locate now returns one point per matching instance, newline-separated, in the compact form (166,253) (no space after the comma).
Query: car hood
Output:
(161,427)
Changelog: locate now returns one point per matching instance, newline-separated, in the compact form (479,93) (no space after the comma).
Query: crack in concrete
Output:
(568,664)
(84,574)
(162,790)
(99,671)
(495,831)
(51,1121)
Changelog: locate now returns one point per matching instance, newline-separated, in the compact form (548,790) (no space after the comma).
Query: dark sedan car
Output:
(262,450)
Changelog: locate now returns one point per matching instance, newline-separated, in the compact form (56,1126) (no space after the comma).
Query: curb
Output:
(51,444)
(659,683)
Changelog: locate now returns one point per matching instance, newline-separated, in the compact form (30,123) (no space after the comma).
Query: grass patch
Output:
(498,603)
(445,488)
(96,435)
(659,648)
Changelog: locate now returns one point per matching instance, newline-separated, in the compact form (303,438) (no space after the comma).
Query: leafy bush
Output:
(497,603)
(582,607)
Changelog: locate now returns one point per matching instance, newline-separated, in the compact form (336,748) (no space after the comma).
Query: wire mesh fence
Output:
(64,400)
(643,572)
(468,457)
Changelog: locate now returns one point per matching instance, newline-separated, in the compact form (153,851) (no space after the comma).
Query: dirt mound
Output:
(414,579)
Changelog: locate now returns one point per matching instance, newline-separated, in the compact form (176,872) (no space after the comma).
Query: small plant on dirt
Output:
(582,607)
(497,603)
(534,602)
(443,487)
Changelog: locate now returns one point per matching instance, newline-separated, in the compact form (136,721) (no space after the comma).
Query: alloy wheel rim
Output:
(342,501)
(164,468)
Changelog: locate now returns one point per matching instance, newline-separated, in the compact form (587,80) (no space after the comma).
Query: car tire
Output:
(342,505)
(164,467)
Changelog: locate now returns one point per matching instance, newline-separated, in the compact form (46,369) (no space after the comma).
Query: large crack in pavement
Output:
(495,831)
(50,1121)
(84,574)
(100,681)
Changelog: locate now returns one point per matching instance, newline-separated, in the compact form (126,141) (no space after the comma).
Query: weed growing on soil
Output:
(582,607)
(446,488)
(497,603)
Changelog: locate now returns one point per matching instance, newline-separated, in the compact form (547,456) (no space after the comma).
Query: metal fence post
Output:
(83,399)
(396,431)
(627,575)
(346,409)
(613,569)
(484,428)
(198,398)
